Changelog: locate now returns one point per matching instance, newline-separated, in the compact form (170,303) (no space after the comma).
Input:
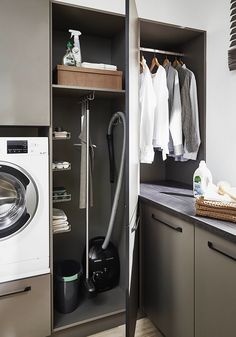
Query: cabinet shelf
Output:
(62,198)
(90,309)
(62,170)
(68,136)
(65,90)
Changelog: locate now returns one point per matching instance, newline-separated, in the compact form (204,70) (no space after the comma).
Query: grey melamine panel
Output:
(163,36)
(155,171)
(215,287)
(28,313)
(93,48)
(88,21)
(24,66)
(168,270)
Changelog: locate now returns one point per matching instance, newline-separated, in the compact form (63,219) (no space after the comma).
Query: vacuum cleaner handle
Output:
(110,144)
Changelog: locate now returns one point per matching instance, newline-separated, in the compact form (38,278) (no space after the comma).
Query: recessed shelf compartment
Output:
(61,198)
(104,304)
(65,90)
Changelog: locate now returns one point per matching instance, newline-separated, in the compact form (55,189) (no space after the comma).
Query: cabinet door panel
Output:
(215,285)
(132,109)
(168,272)
(24,66)
(25,307)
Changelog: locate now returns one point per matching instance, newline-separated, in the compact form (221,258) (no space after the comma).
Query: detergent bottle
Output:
(201,178)
(76,50)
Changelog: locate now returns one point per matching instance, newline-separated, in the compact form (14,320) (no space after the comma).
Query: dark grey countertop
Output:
(179,201)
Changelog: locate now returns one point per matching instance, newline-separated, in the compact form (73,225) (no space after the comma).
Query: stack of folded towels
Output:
(219,202)
(60,223)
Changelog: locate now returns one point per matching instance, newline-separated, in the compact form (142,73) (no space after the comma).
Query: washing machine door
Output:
(18,199)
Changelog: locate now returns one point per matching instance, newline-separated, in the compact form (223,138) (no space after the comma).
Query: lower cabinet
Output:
(167,272)
(215,294)
(25,307)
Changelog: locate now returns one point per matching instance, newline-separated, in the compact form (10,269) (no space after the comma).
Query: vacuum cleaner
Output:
(102,259)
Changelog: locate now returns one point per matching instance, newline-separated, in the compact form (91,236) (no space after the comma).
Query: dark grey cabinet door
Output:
(25,307)
(168,272)
(24,62)
(215,286)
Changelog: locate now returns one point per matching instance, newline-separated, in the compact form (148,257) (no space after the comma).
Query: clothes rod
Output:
(164,52)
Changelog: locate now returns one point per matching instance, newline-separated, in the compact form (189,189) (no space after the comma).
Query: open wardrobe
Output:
(115,104)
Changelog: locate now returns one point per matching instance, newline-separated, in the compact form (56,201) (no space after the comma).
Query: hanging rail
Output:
(159,51)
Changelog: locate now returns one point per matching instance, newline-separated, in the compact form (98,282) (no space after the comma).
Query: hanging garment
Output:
(147,107)
(176,138)
(83,166)
(195,111)
(161,115)
(188,121)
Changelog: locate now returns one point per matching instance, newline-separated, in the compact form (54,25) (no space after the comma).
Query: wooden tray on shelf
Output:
(87,77)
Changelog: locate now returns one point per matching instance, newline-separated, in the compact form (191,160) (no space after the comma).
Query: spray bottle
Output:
(76,49)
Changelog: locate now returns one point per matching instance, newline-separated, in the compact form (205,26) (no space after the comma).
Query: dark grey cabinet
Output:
(25,60)
(25,307)
(167,272)
(215,297)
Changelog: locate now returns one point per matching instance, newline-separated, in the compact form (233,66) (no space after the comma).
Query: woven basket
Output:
(216,209)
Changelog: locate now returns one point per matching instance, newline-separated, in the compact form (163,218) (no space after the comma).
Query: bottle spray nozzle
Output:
(76,49)
(74,32)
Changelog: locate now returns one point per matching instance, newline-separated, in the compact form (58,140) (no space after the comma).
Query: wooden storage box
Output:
(86,77)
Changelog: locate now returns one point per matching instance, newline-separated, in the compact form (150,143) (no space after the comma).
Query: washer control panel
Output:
(17,146)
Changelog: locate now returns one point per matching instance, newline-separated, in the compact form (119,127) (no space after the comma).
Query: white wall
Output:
(116,6)
(212,16)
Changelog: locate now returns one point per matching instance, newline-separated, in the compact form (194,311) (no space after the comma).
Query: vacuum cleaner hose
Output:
(117,115)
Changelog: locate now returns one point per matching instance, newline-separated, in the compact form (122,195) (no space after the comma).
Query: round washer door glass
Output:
(16,197)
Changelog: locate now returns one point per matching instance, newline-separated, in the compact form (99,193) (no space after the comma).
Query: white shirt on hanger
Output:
(161,116)
(147,108)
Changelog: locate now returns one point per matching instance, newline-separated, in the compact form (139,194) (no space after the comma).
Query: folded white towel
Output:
(59,214)
(61,229)
(61,224)
(99,66)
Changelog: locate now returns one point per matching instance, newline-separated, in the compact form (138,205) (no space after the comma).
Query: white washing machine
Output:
(24,207)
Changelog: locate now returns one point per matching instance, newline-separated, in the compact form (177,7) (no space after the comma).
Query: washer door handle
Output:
(17,292)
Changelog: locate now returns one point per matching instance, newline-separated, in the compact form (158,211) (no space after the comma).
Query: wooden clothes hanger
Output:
(142,63)
(166,61)
(176,63)
(155,63)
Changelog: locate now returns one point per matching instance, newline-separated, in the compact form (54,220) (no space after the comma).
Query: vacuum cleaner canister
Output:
(104,265)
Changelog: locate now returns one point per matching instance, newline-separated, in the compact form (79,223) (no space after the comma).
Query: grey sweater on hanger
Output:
(188,122)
